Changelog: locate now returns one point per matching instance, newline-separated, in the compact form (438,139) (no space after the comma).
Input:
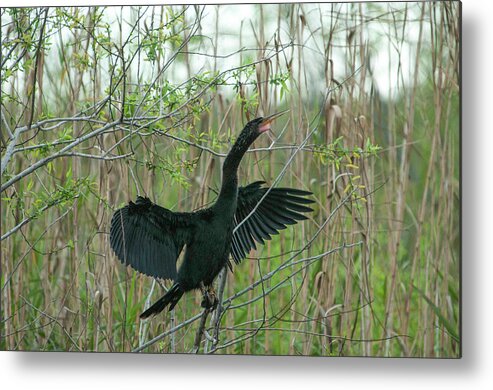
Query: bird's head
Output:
(249,134)
(258,126)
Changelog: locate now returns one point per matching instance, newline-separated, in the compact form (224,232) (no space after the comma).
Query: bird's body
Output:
(150,238)
(208,251)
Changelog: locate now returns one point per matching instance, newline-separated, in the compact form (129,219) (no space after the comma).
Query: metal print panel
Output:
(259,179)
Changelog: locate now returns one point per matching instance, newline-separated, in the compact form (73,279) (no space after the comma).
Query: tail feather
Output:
(170,298)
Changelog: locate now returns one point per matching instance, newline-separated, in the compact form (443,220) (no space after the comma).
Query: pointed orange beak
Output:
(265,124)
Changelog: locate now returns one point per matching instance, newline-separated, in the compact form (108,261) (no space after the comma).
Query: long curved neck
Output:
(229,185)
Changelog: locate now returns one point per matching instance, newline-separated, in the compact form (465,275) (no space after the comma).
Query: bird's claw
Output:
(210,300)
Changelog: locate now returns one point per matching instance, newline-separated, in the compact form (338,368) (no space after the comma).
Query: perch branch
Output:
(200,330)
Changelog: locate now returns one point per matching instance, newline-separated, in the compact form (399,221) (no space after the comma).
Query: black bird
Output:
(150,238)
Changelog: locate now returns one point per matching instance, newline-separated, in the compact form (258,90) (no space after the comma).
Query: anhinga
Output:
(150,238)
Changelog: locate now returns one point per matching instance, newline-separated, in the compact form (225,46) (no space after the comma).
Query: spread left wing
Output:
(281,207)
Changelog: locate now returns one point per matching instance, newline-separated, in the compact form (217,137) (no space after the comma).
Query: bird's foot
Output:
(209,300)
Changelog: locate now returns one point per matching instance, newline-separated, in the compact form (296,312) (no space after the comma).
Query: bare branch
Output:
(10,150)
(200,330)
(58,154)
(168,332)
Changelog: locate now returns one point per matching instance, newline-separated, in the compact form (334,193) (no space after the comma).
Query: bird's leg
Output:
(210,300)
(212,297)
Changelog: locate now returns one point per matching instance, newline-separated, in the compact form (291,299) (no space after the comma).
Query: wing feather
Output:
(246,239)
(281,207)
(150,238)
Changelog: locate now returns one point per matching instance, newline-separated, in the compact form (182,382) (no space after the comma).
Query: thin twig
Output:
(168,332)
(56,155)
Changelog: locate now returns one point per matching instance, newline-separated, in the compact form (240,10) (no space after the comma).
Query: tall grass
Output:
(102,104)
